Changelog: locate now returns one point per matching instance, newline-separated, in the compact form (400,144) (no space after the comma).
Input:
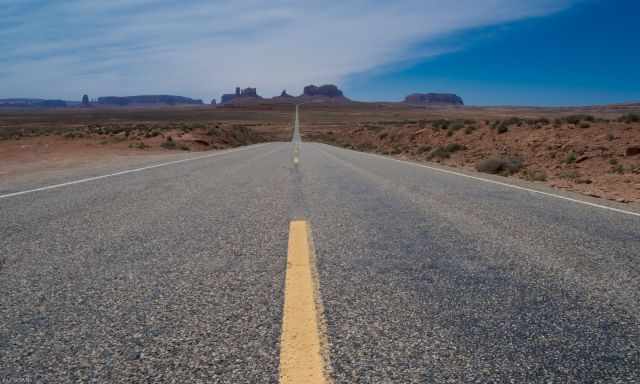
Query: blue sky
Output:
(587,54)
(517,52)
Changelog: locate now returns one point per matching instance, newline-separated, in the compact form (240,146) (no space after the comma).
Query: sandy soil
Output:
(37,143)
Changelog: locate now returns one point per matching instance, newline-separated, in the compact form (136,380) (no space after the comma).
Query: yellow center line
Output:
(302,360)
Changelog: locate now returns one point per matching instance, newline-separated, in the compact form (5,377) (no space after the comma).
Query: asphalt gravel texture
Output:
(176,274)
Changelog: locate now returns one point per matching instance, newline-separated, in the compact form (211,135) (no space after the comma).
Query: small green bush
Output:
(576,119)
(152,133)
(535,175)
(454,147)
(169,143)
(138,145)
(502,166)
(630,118)
(440,124)
(571,158)
(439,153)
(618,169)
(569,175)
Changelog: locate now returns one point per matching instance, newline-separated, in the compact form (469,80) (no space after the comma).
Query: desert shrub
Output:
(439,153)
(169,143)
(469,129)
(571,158)
(138,145)
(630,118)
(423,149)
(454,126)
(585,125)
(383,135)
(569,175)
(613,161)
(619,168)
(502,128)
(610,136)
(184,147)
(213,131)
(454,147)
(440,124)
(67,135)
(535,175)
(373,128)
(576,119)
(502,166)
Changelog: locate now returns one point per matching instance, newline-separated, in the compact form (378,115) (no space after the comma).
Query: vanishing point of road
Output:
(302,262)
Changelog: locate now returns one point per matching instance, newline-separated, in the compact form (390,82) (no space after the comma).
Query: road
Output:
(176,273)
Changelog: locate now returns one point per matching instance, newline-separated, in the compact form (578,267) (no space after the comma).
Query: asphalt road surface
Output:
(176,274)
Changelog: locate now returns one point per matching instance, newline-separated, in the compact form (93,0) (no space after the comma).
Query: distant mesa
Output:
(285,94)
(32,103)
(247,94)
(328,93)
(213,102)
(433,99)
(146,100)
(327,90)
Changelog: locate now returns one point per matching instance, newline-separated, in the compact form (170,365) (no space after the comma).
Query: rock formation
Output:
(433,99)
(85,100)
(240,96)
(327,90)
(147,100)
(324,93)
(32,103)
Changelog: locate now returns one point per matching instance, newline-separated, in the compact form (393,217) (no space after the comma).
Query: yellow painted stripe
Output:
(301,346)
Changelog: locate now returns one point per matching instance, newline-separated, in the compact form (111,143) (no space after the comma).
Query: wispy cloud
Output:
(203,48)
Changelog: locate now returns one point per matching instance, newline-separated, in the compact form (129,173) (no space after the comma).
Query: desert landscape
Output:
(33,141)
(592,150)
(335,192)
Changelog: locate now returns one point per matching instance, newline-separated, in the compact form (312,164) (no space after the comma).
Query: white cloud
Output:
(204,48)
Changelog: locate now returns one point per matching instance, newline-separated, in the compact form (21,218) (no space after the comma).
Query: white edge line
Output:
(94,178)
(500,183)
